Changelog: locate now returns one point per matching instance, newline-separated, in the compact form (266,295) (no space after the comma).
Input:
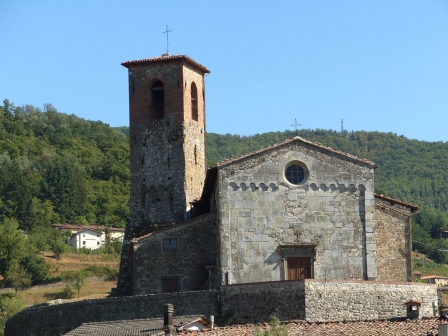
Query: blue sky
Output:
(378,65)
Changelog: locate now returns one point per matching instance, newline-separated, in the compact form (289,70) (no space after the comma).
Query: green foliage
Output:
(429,267)
(275,329)
(16,252)
(9,306)
(77,278)
(106,271)
(66,293)
(57,167)
(12,245)
(36,267)
(18,278)
(58,248)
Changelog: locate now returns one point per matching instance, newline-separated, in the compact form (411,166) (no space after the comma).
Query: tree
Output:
(9,306)
(36,267)
(18,277)
(41,213)
(12,245)
(77,278)
(58,247)
(65,187)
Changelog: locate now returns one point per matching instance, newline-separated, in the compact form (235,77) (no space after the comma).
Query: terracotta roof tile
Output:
(389,199)
(164,59)
(84,227)
(366,328)
(433,277)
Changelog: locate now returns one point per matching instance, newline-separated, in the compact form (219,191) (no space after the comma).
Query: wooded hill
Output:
(60,168)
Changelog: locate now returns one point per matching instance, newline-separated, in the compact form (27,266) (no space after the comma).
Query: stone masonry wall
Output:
(259,211)
(58,319)
(259,302)
(196,249)
(393,243)
(364,300)
(313,300)
(167,154)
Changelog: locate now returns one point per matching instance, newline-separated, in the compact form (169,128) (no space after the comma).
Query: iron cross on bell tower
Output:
(167,43)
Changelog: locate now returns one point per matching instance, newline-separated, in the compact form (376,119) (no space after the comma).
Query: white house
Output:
(87,238)
(115,234)
(436,279)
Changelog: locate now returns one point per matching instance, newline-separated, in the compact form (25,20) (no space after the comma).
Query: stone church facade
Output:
(295,210)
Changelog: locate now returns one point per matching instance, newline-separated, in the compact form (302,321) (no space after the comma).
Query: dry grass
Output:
(88,291)
(76,262)
(71,262)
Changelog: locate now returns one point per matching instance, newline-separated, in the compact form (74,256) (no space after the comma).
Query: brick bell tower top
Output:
(167,69)
(167,139)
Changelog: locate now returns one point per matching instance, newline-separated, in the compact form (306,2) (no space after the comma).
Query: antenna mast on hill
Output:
(342,125)
(167,43)
(296,125)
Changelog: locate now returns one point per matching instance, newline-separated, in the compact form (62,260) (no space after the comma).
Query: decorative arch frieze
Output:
(264,187)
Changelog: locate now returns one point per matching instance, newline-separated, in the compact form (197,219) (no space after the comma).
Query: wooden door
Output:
(299,268)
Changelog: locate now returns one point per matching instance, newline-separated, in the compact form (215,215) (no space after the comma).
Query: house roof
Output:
(76,233)
(433,277)
(413,301)
(175,225)
(302,140)
(347,328)
(153,326)
(414,208)
(161,59)
(85,227)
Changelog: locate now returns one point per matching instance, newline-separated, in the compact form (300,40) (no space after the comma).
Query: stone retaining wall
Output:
(259,302)
(56,318)
(364,300)
(313,300)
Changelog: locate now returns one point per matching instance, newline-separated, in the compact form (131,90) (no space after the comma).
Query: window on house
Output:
(170,285)
(157,100)
(194,102)
(170,243)
(97,243)
(84,242)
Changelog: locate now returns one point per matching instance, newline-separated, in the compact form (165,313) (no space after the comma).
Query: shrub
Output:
(66,293)
(276,329)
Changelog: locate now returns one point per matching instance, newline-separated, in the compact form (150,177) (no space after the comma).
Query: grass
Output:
(77,262)
(72,262)
(88,291)
(429,267)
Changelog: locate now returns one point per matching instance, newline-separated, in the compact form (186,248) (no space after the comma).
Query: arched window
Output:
(158,100)
(194,102)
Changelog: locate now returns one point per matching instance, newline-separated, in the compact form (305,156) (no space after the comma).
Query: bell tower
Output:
(167,138)
(167,142)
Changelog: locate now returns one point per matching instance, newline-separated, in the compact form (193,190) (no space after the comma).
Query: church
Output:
(295,210)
